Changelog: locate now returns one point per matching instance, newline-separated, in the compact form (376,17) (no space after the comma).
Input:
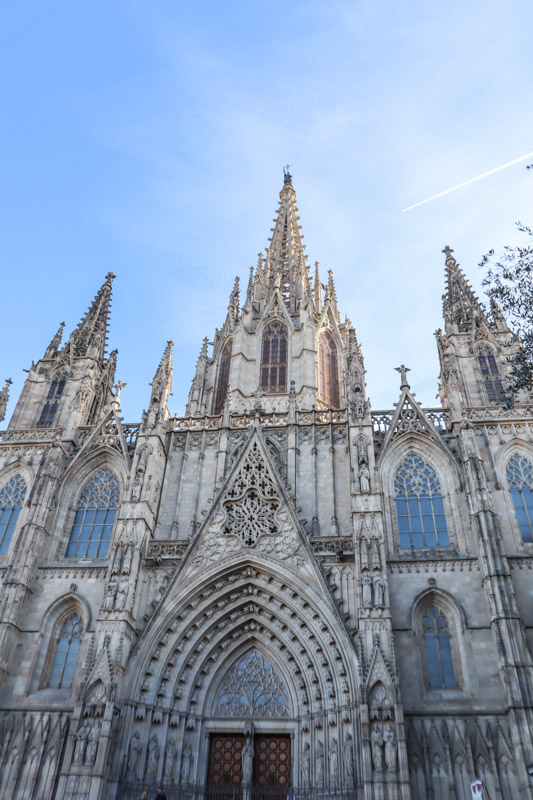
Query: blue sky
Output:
(148,138)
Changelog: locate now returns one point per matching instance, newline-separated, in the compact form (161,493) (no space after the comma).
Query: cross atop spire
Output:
(90,337)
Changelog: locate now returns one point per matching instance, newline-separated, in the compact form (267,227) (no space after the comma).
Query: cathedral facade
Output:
(284,593)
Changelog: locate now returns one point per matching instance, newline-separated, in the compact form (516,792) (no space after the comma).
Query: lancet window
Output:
(223,377)
(252,688)
(274,358)
(53,397)
(490,373)
(328,370)
(437,642)
(419,505)
(12,496)
(67,645)
(520,479)
(93,523)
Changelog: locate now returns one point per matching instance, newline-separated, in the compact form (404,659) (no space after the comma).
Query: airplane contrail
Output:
(472,180)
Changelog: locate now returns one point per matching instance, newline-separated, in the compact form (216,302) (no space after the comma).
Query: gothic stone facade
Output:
(284,586)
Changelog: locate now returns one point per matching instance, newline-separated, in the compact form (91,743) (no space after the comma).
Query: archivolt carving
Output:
(217,625)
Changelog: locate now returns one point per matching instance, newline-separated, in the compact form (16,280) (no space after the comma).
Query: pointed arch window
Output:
(419,505)
(252,688)
(223,377)
(12,496)
(490,373)
(520,479)
(66,652)
(53,397)
(438,649)
(328,370)
(93,523)
(274,358)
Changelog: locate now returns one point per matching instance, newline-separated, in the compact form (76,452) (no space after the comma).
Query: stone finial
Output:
(403,370)
(448,253)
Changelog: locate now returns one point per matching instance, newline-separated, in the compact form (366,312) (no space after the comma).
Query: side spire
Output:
(89,338)
(54,345)
(162,382)
(4,397)
(460,305)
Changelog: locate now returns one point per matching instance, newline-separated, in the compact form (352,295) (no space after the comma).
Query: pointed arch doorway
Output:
(256,764)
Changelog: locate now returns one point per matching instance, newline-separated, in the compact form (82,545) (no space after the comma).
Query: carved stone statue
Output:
(319,757)
(109,598)
(133,759)
(347,756)
(306,764)
(128,558)
(390,740)
(92,747)
(379,591)
(364,478)
(247,756)
(170,760)
(81,744)
(122,594)
(367,591)
(376,560)
(186,763)
(376,742)
(153,756)
(334,761)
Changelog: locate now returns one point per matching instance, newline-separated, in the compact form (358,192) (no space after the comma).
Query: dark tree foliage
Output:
(509,281)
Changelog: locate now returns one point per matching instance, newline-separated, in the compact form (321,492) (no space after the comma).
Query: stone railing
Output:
(382,420)
(160,550)
(332,546)
(31,436)
(271,420)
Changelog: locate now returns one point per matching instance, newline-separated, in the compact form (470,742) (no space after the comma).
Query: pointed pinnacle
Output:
(93,328)
(4,397)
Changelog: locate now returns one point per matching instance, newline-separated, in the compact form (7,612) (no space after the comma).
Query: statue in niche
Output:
(153,756)
(81,744)
(122,594)
(117,560)
(367,591)
(128,558)
(133,759)
(186,763)
(247,757)
(379,592)
(390,740)
(170,759)
(92,747)
(376,743)
(319,758)
(110,592)
(347,756)
(306,764)
(364,477)
(334,761)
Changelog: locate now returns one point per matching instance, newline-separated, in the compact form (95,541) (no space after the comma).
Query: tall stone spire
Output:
(287,265)
(162,382)
(460,305)
(89,338)
(4,397)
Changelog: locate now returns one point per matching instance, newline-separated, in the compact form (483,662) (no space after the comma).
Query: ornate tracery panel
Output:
(328,370)
(11,498)
(252,688)
(419,505)
(274,358)
(53,397)
(520,479)
(252,501)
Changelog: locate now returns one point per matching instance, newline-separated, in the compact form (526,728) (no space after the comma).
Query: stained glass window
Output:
(223,377)
(68,644)
(274,358)
(328,371)
(252,688)
(490,374)
(419,506)
(438,650)
(520,478)
(93,523)
(53,397)
(11,498)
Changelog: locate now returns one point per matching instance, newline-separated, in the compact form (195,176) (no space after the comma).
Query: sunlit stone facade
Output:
(284,587)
